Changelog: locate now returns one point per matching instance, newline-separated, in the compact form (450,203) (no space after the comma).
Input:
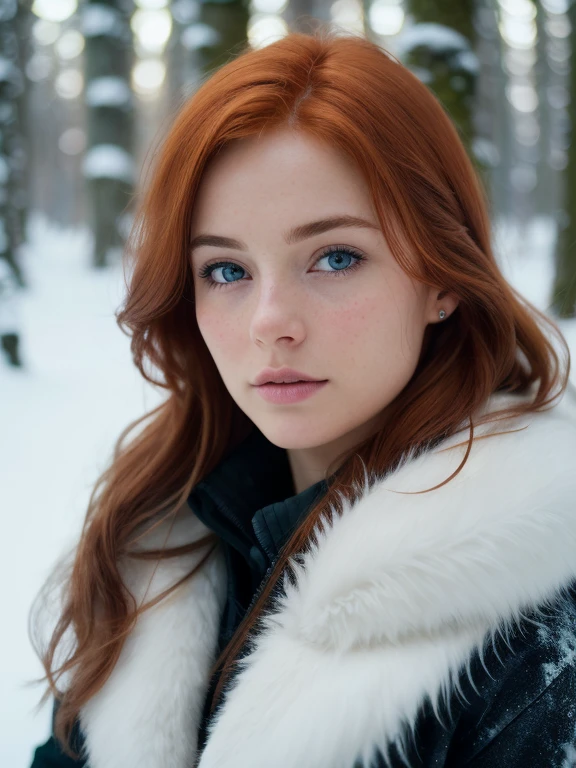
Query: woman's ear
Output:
(445,302)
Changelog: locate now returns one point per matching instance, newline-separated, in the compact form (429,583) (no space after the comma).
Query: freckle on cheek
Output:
(356,314)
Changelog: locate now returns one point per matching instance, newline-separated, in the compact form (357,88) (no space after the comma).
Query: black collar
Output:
(248,498)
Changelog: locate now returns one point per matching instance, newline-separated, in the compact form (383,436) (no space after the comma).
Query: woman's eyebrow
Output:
(294,235)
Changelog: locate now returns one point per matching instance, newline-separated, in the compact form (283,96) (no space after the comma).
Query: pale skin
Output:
(280,304)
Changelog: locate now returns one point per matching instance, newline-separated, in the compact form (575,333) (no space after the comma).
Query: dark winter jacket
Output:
(436,629)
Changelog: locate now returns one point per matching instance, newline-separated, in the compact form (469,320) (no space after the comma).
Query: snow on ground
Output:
(59,419)
(61,415)
(525,255)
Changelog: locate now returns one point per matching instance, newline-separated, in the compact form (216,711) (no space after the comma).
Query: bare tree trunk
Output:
(492,120)
(13,199)
(564,289)
(545,189)
(108,166)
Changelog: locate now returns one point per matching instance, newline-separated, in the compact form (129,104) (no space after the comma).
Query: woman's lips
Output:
(289,393)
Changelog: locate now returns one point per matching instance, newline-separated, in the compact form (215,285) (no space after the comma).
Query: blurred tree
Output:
(494,140)
(440,47)
(544,202)
(108,166)
(307,15)
(205,35)
(564,289)
(13,198)
(185,38)
(228,20)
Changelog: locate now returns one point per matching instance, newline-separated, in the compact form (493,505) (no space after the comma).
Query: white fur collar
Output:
(398,593)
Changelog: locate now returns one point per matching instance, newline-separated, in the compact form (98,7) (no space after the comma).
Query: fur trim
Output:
(148,712)
(386,609)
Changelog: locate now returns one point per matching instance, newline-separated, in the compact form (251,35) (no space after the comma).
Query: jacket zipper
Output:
(261,586)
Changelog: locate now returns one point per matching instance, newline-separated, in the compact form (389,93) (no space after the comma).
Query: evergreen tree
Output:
(108,166)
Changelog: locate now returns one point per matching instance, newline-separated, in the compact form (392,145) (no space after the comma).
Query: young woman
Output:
(373,566)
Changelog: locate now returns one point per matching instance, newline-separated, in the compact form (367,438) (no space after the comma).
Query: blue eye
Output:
(338,254)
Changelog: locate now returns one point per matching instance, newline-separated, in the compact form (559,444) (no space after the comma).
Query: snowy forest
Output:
(88,89)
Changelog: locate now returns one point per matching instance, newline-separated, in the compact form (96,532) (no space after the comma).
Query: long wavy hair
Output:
(434,212)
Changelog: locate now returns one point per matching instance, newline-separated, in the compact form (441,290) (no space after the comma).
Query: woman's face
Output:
(307,303)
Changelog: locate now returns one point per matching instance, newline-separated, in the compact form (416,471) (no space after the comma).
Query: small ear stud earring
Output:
(442,314)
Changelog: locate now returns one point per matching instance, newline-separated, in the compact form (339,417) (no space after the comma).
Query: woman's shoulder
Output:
(513,704)
(51,755)
(521,693)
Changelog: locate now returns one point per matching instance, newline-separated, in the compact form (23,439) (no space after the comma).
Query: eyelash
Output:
(206,271)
